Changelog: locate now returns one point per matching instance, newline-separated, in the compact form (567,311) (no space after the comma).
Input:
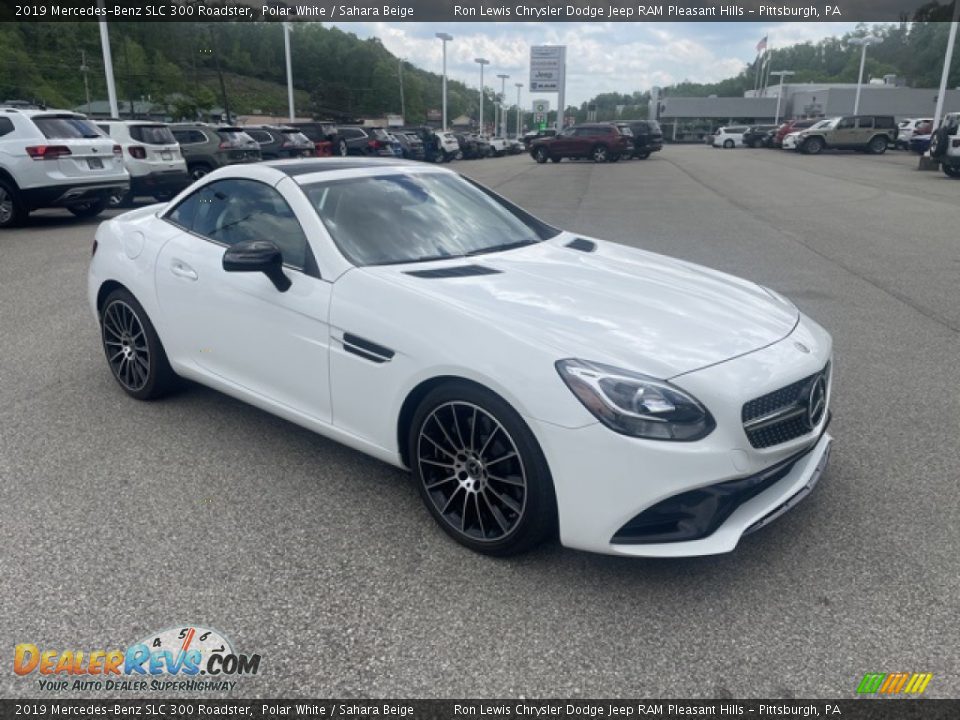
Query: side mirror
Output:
(257,256)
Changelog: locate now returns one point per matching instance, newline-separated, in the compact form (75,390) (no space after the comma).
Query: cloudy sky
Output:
(601,56)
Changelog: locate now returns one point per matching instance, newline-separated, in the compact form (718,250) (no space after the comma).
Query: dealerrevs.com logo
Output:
(188,658)
(894,683)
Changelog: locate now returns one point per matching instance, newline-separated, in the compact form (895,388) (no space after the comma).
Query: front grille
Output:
(784,414)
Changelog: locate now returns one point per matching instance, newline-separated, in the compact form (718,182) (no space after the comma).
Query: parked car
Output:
(278,142)
(469,147)
(484,149)
(321,134)
(580,369)
(908,128)
(208,147)
(151,155)
(756,135)
(646,137)
(867,133)
(498,146)
(790,140)
(448,147)
(788,127)
(919,144)
(516,147)
(730,136)
(432,143)
(529,137)
(945,145)
(600,142)
(56,158)
(411,146)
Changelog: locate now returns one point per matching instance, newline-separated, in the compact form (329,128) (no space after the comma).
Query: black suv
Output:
(278,142)
(647,137)
(758,135)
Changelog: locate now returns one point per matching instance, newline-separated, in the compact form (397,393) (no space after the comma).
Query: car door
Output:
(864,131)
(845,133)
(238,326)
(564,143)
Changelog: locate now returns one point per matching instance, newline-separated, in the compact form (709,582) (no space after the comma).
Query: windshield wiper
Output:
(501,247)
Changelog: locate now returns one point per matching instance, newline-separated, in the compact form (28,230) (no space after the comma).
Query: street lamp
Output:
(503,100)
(864,42)
(286,51)
(519,85)
(481,62)
(782,74)
(445,38)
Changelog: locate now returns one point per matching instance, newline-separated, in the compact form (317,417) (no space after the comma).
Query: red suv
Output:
(601,142)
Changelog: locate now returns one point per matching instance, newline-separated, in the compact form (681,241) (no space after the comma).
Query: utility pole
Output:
(781,73)
(286,50)
(108,67)
(445,37)
(84,70)
(481,62)
(864,42)
(519,111)
(503,100)
(403,105)
(216,60)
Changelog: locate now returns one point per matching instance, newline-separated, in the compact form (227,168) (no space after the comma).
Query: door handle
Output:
(181,269)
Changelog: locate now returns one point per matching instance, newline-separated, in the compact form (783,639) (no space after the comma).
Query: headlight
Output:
(634,404)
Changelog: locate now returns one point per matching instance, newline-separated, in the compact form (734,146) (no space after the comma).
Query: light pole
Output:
(286,50)
(519,111)
(403,104)
(108,67)
(481,62)
(947,60)
(864,42)
(445,38)
(782,74)
(503,100)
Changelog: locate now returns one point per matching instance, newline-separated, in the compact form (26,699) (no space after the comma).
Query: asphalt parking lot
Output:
(119,518)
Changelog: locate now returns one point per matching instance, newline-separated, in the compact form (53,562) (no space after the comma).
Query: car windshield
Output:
(152,134)
(417,217)
(825,124)
(63,127)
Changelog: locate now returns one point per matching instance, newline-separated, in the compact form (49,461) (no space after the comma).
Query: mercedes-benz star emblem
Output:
(816,401)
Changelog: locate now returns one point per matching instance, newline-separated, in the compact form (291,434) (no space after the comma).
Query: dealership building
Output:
(686,116)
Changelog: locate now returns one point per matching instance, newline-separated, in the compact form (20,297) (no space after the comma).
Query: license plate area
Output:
(166,155)
(95,163)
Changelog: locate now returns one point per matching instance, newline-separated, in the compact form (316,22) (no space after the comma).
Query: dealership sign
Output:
(547,68)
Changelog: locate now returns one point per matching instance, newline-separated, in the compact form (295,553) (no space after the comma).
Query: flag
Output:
(762,45)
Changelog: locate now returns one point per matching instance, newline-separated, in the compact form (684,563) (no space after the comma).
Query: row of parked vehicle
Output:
(56,158)
(600,142)
(865,133)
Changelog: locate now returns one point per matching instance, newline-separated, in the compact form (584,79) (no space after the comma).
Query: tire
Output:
(642,156)
(198,170)
(540,155)
(342,149)
(89,209)
(812,146)
(877,145)
(729,144)
(951,170)
(133,350)
(599,154)
(457,430)
(12,211)
(938,143)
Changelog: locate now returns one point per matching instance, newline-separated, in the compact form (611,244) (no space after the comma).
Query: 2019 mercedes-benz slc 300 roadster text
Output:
(533,380)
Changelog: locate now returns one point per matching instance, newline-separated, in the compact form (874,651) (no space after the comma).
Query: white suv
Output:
(729,137)
(448,144)
(151,154)
(945,144)
(55,158)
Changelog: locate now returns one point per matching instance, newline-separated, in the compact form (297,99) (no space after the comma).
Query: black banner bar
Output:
(306,709)
(477,10)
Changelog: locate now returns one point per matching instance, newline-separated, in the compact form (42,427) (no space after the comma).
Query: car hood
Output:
(642,311)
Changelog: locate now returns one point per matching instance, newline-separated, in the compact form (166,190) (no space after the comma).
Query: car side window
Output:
(865,123)
(845,124)
(237,210)
(6,126)
(261,136)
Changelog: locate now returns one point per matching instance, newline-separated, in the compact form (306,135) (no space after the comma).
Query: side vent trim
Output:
(582,245)
(366,349)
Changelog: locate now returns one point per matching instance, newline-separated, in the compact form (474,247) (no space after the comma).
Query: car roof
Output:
(308,166)
(30,112)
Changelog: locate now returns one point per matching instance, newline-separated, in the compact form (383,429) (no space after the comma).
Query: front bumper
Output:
(604,480)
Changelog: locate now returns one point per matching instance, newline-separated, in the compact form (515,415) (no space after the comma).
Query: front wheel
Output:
(728,144)
(89,209)
(540,155)
(12,212)
(133,350)
(812,146)
(480,471)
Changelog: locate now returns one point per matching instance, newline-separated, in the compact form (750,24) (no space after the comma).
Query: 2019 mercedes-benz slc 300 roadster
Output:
(534,381)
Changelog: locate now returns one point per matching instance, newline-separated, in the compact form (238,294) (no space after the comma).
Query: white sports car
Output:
(533,380)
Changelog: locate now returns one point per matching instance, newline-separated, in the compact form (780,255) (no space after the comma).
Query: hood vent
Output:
(454,272)
(582,245)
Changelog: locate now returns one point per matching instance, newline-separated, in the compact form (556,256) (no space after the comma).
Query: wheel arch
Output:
(7,177)
(107,287)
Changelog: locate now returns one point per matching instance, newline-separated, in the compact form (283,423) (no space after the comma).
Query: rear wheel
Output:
(599,154)
(89,209)
(951,170)
(480,470)
(728,144)
(878,145)
(198,170)
(132,348)
(12,212)
(540,155)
